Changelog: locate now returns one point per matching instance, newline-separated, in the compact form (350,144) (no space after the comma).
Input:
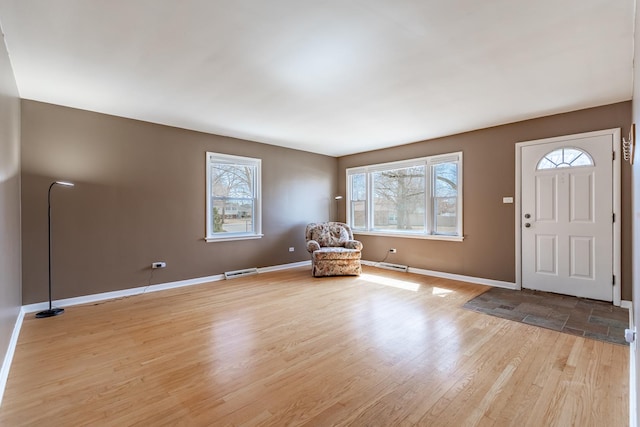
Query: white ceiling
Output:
(329,76)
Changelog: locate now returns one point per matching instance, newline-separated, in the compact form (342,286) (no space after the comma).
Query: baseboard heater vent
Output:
(396,267)
(240,273)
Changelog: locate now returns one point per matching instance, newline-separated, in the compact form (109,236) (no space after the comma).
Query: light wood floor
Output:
(283,348)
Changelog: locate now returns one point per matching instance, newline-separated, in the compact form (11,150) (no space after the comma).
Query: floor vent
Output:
(240,273)
(396,267)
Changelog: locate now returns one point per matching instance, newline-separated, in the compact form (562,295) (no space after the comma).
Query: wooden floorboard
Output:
(283,348)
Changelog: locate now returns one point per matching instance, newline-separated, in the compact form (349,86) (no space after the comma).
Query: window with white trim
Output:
(413,198)
(233,197)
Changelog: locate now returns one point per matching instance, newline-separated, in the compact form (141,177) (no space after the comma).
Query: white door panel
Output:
(546,254)
(581,257)
(567,206)
(546,197)
(581,207)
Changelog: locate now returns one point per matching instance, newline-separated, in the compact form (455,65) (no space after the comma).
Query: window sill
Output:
(411,236)
(232,238)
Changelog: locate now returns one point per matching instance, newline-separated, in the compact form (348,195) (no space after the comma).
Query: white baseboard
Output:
(86,299)
(284,266)
(8,357)
(626,304)
(459,277)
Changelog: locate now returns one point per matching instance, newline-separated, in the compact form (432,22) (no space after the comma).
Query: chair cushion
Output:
(330,235)
(335,253)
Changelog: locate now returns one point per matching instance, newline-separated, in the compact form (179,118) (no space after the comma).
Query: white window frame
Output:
(428,232)
(211,236)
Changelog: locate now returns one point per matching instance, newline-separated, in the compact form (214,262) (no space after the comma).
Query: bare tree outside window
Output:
(445,198)
(232,187)
(398,197)
(233,197)
(358,201)
(417,197)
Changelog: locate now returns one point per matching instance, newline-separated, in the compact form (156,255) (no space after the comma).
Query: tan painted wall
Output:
(488,250)
(140,197)
(10,287)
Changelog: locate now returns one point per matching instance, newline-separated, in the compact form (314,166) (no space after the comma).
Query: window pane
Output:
(359,186)
(546,164)
(399,199)
(570,155)
(445,198)
(233,196)
(232,187)
(582,160)
(358,201)
(555,157)
(232,215)
(358,214)
(232,180)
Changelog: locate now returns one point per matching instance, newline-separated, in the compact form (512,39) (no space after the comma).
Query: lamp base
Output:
(49,313)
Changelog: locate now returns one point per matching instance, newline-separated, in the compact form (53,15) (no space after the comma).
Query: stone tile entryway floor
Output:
(577,316)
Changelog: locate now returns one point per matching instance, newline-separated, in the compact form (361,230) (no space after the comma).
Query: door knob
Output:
(527,216)
(527,225)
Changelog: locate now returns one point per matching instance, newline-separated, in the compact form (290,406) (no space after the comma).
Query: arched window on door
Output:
(569,157)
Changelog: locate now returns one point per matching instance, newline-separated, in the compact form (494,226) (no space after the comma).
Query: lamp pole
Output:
(52,311)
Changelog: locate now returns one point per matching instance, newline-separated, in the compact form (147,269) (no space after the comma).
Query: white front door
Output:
(567,216)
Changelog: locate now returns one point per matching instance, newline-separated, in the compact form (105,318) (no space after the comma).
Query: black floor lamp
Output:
(52,311)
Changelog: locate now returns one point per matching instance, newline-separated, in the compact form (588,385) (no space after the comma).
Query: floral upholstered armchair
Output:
(333,250)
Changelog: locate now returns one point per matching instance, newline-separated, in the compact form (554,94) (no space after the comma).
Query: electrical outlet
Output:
(158,264)
(291,249)
(393,251)
(630,335)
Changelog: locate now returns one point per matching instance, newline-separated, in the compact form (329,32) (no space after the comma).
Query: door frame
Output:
(617,266)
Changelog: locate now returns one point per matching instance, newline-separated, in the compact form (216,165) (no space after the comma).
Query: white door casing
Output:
(567,244)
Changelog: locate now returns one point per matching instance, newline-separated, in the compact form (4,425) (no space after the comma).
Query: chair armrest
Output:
(312,246)
(353,244)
